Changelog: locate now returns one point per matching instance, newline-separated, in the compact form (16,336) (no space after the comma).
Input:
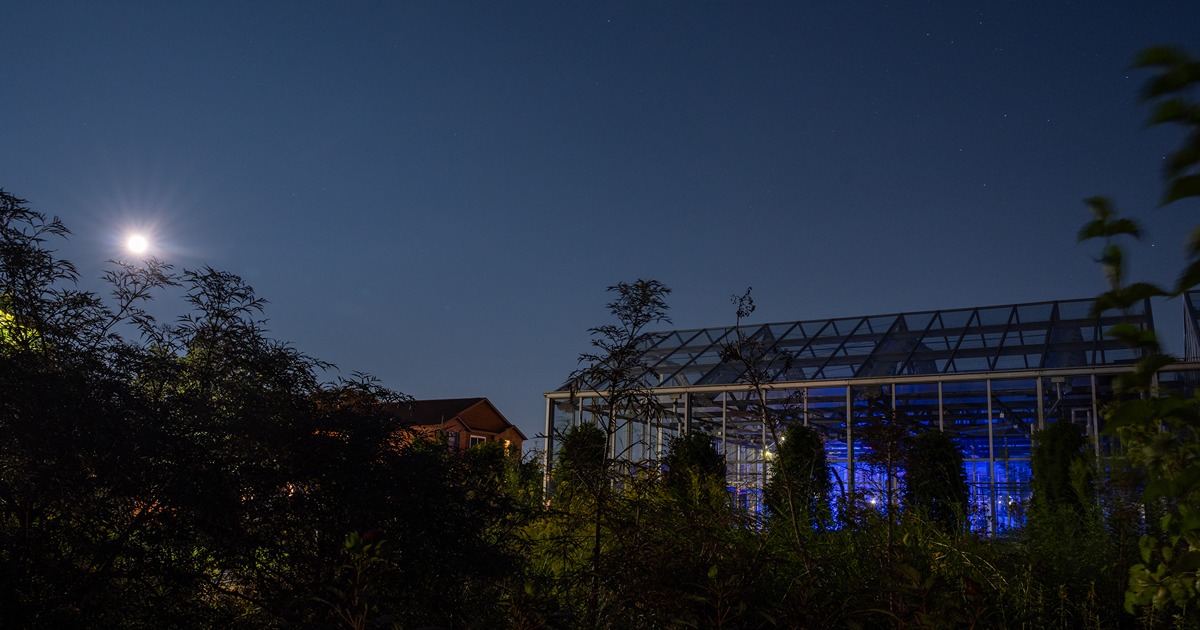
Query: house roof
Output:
(473,413)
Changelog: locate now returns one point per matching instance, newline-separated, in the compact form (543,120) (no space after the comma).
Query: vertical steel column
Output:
(549,447)
(849,441)
(1095,423)
(658,448)
(805,394)
(648,440)
(762,475)
(1041,405)
(941,410)
(725,431)
(648,447)
(611,430)
(687,413)
(629,436)
(991,464)
(737,455)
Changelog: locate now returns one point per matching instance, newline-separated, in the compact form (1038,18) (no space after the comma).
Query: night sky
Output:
(439,193)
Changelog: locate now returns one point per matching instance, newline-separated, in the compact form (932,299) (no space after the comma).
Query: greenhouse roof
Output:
(1042,335)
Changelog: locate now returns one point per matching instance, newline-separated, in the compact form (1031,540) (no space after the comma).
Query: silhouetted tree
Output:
(800,482)
(692,467)
(888,438)
(581,459)
(620,382)
(1062,469)
(200,474)
(935,480)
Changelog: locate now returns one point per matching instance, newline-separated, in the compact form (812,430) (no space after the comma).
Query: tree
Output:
(80,528)
(935,480)
(799,487)
(759,363)
(693,468)
(1062,470)
(617,379)
(888,437)
(581,459)
(201,475)
(614,374)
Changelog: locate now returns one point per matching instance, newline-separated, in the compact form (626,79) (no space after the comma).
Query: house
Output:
(464,422)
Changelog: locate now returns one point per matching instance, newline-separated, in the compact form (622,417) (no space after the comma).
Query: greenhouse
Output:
(988,376)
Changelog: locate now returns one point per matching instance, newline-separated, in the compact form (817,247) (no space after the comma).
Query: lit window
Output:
(477,439)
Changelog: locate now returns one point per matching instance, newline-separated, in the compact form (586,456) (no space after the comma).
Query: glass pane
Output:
(996,316)
(1034,313)
(955,319)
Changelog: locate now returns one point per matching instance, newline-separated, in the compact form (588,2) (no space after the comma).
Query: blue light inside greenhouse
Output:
(989,377)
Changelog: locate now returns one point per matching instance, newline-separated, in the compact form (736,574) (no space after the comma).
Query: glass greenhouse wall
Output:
(987,376)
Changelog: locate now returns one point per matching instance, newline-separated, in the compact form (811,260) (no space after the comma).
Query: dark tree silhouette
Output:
(800,483)
(935,480)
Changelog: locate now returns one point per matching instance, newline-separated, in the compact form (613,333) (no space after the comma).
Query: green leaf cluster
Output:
(1158,432)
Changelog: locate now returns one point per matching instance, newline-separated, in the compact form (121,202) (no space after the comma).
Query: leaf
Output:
(1126,297)
(1112,260)
(1146,544)
(1159,56)
(908,572)
(1182,187)
(1129,413)
(1104,225)
(1176,72)
(1134,336)
(1193,242)
(1185,482)
(1170,110)
(1189,278)
(1140,379)
(1186,157)
(1153,363)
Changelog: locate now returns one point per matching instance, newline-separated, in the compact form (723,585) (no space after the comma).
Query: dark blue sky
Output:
(438,193)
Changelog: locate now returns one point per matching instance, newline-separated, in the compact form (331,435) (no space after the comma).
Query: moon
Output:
(137,244)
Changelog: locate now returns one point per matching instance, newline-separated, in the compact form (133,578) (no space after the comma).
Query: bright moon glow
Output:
(137,244)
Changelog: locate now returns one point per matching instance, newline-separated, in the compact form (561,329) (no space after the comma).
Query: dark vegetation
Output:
(197,473)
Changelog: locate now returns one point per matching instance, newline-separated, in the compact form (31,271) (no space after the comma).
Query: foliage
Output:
(935,480)
(1159,431)
(1062,469)
(581,458)
(759,363)
(1071,548)
(888,437)
(799,487)
(692,461)
(199,474)
(615,369)
(1065,570)
(351,594)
